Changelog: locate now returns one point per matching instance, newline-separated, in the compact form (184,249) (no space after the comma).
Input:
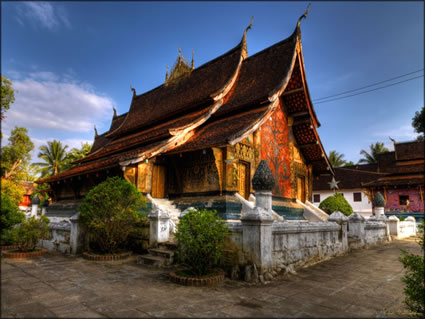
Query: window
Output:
(316,198)
(357,197)
(403,200)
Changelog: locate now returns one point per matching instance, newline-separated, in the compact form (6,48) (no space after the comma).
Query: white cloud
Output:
(400,134)
(44,14)
(46,101)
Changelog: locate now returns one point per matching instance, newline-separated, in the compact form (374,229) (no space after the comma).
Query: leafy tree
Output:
(371,156)
(41,191)
(7,95)
(15,156)
(10,216)
(413,279)
(336,159)
(418,123)
(110,212)
(76,154)
(13,190)
(53,154)
(335,203)
(350,163)
(200,237)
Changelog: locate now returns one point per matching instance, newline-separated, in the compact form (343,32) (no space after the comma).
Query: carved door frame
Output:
(159,180)
(247,178)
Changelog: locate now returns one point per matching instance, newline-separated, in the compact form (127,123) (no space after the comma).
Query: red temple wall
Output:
(416,204)
(25,201)
(275,150)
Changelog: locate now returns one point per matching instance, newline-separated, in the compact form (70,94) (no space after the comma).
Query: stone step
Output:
(166,253)
(150,260)
(168,246)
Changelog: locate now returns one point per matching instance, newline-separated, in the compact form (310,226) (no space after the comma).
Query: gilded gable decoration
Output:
(181,69)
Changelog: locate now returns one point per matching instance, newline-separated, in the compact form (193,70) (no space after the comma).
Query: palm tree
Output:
(53,154)
(336,159)
(76,154)
(372,157)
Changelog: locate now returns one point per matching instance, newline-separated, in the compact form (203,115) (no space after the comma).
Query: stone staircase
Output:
(169,207)
(162,256)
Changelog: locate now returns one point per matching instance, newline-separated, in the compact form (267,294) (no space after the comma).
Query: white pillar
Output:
(159,229)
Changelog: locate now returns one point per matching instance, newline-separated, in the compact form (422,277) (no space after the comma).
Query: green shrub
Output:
(378,200)
(138,238)
(30,231)
(335,203)
(109,212)
(201,235)
(402,218)
(413,279)
(10,216)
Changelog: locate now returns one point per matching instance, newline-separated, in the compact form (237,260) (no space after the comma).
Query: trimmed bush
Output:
(110,212)
(413,279)
(10,216)
(30,231)
(138,238)
(200,241)
(335,203)
(378,200)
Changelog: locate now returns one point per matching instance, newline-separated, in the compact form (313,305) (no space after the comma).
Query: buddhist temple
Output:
(197,139)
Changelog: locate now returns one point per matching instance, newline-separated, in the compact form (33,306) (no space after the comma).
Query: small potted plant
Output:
(27,235)
(378,205)
(201,236)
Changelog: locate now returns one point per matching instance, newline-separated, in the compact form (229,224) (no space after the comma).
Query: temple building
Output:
(197,139)
(398,175)
(403,183)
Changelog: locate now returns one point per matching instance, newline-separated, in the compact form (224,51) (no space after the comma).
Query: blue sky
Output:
(71,61)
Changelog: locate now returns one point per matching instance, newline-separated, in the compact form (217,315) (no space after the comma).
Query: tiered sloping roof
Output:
(351,177)
(404,166)
(217,104)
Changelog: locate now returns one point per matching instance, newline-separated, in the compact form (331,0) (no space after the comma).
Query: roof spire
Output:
(133,89)
(166,75)
(115,111)
(95,131)
(193,61)
(244,45)
(303,16)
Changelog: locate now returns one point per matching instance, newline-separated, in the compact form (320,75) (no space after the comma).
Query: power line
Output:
(382,87)
(366,86)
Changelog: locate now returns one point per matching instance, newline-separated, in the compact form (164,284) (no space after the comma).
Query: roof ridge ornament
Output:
(180,69)
(115,111)
(244,45)
(133,89)
(95,131)
(303,16)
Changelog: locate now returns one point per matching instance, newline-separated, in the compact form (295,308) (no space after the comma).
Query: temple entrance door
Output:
(158,181)
(301,188)
(244,180)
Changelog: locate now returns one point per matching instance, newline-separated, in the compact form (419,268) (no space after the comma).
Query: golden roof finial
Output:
(166,75)
(244,45)
(95,131)
(303,16)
